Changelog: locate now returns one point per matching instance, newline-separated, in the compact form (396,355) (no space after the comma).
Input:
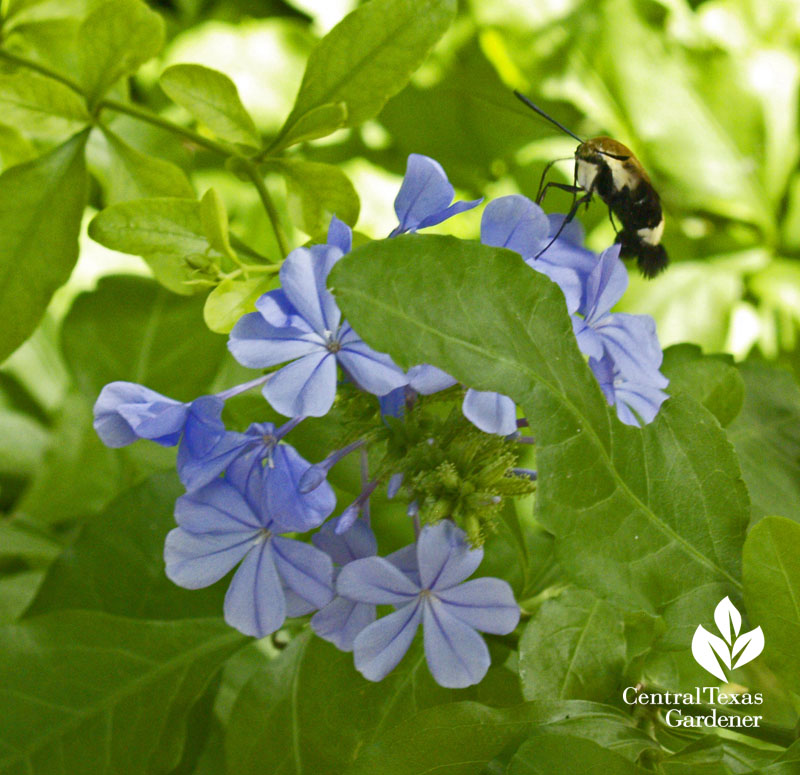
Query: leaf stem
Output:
(252,172)
(42,70)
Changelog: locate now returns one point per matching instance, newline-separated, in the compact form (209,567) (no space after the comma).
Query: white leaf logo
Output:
(730,651)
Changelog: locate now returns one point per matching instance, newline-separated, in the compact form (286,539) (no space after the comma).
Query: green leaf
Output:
(78,475)
(130,329)
(214,218)
(41,204)
(713,380)
(20,541)
(212,98)
(316,192)
(114,40)
(651,518)
(116,565)
(16,592)
(766,436)
(233,298)
(712,755)
(14,148)
(88,692)
(166,232)
(460,738)
(772,592)
(42,107)
(573,647)
(23,441)
(555,755)
(135,175)
(320,711)
(365,59)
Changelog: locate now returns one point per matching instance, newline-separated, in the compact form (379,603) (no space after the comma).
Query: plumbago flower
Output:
(302,323)
(226,523)
(449,608)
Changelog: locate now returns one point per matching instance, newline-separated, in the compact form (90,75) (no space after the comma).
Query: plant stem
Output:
(153,118)
(42,70)
(254,175)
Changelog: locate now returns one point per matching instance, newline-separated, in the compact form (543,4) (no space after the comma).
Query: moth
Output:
(608,168)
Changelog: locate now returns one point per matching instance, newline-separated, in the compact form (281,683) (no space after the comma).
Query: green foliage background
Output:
(127,155)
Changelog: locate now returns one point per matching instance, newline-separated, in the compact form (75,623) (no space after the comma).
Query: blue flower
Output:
(301,323)
(490,412)
(636,402)
(450,611)
(425,196)
(126,412)
(226,523)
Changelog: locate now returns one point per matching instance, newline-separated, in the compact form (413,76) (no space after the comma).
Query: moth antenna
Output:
(544,115)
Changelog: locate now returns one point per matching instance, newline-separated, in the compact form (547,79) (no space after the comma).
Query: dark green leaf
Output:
(115,39)
(320,711)
(766,436)
(573,647)
(166,232)
(772,592)
(316,192)
(87,692)
(23,441)
(713,380)
(135,175)
(16,592)
(116,565)
(41,204)
(712,755)
(212,98)
(367,58)
(42,107)
(651,518)
(555,755)
(131,329)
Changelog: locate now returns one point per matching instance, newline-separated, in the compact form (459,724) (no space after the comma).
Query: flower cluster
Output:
(254,504)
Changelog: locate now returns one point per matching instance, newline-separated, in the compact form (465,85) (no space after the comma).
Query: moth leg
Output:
(540,191)
(570,216)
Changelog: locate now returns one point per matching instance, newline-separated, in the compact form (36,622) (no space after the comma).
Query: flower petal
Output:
(303,279)
(605,285)
(457,656)
(486,604)
(254,603)
(258,345)
(194,561)
(305,569)
(287,507)
(426,379)
(444,555)
(375,372)
(442,215)
(306,387)
(340,235)
(645,400)
(632,343)
(425,190)
(375,580)
(516,223)
(195,472)
(491,412)
(341,621)
(380,646)
(354,544)
(217,508)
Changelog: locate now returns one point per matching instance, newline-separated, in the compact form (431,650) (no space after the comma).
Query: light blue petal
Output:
(288,508)
(340,235)
(632,343)
(258,345)
(341,621)
(356,543)
(486,604)
(375,372)
(380,646)
(305,569)
(216,508)
(425,190)
(304,388)
(491,412)
(254,603)
(516,223)
(194,561)
(375,580)
(279,312)
(296,605)
(457,656)
(590,342)
(195,472)
(605,285)
(426,379)
(303,279)
(564,277)
(405,560)
(645,400)
(444,556)
(448,212)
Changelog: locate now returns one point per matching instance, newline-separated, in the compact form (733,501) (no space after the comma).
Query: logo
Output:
(732,650)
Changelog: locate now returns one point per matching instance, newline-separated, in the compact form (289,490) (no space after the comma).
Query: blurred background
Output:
(704,93)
